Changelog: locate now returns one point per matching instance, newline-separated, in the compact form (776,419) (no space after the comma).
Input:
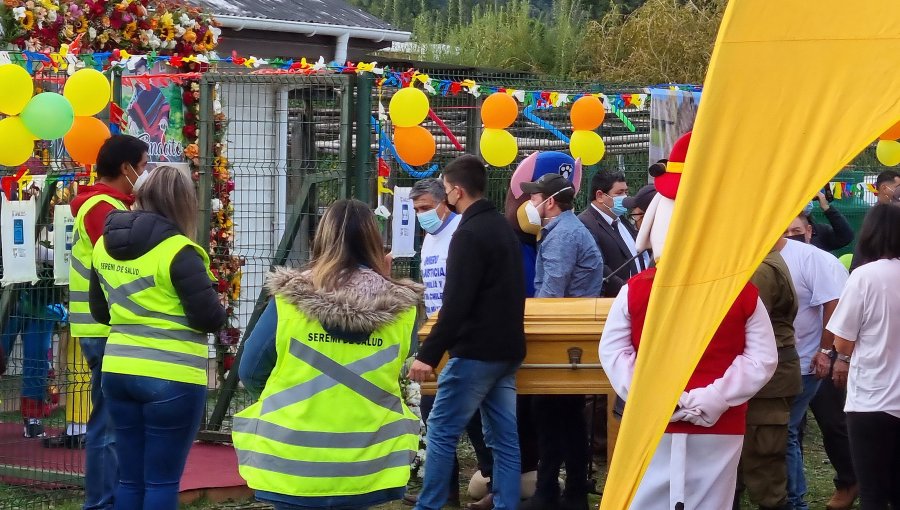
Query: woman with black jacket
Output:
(151,283)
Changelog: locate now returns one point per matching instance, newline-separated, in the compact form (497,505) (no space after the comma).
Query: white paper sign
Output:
(63,229)
(403,231)
(17,220)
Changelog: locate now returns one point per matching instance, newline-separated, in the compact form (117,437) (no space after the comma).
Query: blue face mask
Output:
(429,221)
(618,208)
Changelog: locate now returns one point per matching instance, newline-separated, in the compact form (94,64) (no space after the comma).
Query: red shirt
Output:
(727,344)
(95,219)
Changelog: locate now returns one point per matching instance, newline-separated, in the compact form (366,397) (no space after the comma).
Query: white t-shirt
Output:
(819,277)
(869,315)
(434,264)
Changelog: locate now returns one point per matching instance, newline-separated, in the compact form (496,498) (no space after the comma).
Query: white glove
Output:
(681,413)
(704,406)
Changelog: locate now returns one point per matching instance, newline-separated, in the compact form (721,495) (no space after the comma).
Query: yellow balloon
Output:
(888,152)
(88,90)
(588,146)
(17,87)
(16,142)
(498,147)
(408,107)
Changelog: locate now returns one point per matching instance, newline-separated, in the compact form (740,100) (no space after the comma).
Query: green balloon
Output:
(48,116)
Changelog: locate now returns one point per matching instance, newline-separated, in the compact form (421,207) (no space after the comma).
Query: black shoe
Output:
(73,442)
(34,428)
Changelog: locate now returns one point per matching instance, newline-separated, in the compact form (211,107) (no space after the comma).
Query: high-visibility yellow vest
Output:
(80,321)
(150,335)
(331,420)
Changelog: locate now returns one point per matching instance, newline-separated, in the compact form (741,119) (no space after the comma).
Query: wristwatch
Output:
(843,357)
(826,352)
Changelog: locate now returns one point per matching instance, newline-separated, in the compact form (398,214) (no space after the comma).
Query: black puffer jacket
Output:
(131,234)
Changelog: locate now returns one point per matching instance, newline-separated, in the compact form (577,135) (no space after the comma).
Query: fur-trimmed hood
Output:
(366,303)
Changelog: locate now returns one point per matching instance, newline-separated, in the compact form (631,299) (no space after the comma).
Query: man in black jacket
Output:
(481,324)
(836,234)
(612,232)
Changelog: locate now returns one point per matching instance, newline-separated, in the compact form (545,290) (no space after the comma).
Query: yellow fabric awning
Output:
(795,90)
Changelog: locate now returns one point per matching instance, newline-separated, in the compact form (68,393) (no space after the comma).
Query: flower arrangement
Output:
(225,266)
(412,396)
(102,25)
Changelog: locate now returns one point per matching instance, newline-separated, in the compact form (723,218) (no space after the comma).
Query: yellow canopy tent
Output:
(795,90)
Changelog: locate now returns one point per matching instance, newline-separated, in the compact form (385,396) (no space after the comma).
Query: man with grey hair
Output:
(439,224)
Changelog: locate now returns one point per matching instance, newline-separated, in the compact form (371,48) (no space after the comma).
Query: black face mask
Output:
(451,207)
(798,237)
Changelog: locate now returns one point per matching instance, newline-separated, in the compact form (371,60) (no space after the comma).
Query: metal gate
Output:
(288,144)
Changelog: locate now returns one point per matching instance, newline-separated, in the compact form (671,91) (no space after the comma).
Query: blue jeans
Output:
(466,385)
(37,335)
(796,478)
(101,468)
(156,424)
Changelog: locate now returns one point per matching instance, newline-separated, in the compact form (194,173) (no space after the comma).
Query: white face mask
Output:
(141,179)
(531,210)
(534,216)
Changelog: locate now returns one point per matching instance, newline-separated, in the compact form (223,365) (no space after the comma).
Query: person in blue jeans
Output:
(481,325)
(34,320)
(819,279)
(120,163)
(151,283)
(794,458)
(101,465)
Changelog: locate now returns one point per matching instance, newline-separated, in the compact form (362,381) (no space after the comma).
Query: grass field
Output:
(818,472)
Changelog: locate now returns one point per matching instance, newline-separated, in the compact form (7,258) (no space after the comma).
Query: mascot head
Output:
(531,169)
(658,215)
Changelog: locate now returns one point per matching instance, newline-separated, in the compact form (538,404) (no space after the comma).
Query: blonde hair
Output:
(170,192)
(347,237)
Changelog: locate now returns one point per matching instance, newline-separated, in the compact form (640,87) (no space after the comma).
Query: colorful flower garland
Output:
(102,25)
(225,266)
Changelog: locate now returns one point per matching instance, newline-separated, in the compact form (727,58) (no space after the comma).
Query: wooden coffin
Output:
(554,328)
(562,338)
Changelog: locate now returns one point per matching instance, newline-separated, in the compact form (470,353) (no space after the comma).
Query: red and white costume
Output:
(696,461)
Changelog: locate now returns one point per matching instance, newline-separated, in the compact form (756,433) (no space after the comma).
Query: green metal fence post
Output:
(346,142)
(206,140)
(363,135)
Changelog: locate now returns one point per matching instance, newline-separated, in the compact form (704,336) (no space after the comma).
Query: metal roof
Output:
(325,12)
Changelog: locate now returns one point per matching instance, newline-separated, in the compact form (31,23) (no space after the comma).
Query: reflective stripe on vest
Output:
(81,322)
(331,420)
(150,334)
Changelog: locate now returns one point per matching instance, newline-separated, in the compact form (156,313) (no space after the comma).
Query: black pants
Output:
(483,454)
(875,445)
(828,408)
(562,439)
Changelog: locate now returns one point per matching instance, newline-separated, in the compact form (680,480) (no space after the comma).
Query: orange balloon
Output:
(83,141)
(499,111)
(587,113)
(415,144)
(891,134)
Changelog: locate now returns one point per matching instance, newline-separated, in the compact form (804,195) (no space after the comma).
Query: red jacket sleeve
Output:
(95,220)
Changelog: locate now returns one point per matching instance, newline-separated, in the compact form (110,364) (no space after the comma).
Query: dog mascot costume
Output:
(695,464)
